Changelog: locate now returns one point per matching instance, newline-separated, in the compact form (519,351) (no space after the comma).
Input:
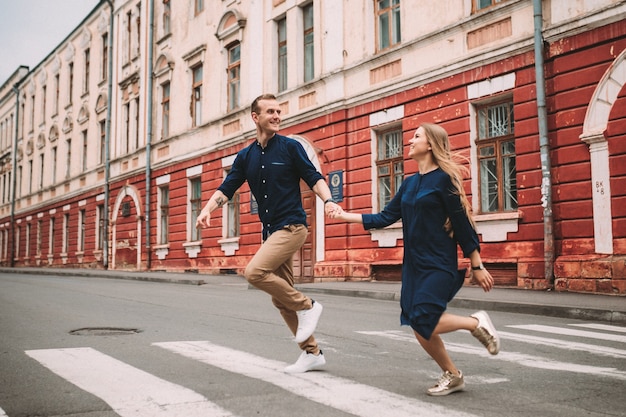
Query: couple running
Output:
(435,213)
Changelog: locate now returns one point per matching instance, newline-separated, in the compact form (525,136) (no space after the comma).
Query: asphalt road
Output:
(219,349)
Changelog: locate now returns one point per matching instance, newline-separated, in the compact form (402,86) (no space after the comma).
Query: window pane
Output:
(195,208)
(396,25)
(282,55)
(384,191)
(383,31)
(488,185)
(487,151)
(510,183)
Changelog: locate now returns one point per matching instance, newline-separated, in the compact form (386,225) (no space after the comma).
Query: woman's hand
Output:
(483,278)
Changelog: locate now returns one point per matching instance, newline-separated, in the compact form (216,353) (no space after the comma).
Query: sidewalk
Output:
(605,308)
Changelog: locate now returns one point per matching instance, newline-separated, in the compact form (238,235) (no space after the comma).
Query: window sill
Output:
(161,251)
(387,237)
(192,248)
(495,227)
(229,245)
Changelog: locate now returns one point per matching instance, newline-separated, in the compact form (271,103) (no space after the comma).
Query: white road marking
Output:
(343,394)
(563,344)
(571,332)
(514,357)
(605,327)
(2,413)
(129,391)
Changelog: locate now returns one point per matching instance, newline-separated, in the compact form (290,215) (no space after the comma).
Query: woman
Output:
(436,216)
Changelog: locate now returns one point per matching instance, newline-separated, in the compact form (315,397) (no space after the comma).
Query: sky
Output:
(31,29)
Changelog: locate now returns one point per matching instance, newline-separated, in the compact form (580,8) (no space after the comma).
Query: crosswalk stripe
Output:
(605,327)
(343,394)
(563,344)
(129,391)
(514,357)
(570,332)
(2,413)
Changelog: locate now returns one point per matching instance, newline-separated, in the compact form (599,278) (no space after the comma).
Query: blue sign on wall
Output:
(335,183)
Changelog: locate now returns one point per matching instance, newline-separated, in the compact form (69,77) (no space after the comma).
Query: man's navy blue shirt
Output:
(273,175)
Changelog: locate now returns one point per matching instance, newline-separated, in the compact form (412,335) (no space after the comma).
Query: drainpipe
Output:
(107,141)
(16,91)
(149,133)
(544,148)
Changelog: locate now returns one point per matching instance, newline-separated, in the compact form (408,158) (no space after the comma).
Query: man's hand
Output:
(332,209)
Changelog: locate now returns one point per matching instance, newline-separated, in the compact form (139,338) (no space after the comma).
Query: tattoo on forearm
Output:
(220,201)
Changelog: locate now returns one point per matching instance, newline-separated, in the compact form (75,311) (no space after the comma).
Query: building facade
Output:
(116,140)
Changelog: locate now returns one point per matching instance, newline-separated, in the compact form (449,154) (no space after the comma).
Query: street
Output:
(94,347)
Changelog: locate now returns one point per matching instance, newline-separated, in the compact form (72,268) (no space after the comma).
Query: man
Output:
(273,166)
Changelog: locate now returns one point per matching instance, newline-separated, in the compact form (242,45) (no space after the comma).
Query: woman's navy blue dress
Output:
(430,274)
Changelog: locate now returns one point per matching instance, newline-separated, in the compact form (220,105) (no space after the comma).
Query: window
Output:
(198,6)
(232,220)
(100,227)
(41,171)
(39,237)
(389,166)
(483,4)
(66,233)
(129,35)
(43,102)
(27,241)
(86,80)
(105,56)
(32,113)
(165,110)
(30,176)
(70,82)
(195,205)
(234,67)
(136,123)
(68,159)
(496,157)
(125,128)
(54,165)
(196,97)
(167,17)
(103,133)
(84,135)
(55,110)
(282,54)
(18,233)
(309,57)
(388,20)
(18,182)
(82,216)
(164,214)
(51,236)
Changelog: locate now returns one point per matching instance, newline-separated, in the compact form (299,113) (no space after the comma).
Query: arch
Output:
(594,128)
(54,133)
(231,22)
(132,192)
(163,65)
(83,114)
(67,124)
(101,102)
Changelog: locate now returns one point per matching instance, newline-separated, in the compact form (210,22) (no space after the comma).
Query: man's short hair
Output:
(254,108)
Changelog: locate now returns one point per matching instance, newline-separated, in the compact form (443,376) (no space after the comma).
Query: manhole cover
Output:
(104,331)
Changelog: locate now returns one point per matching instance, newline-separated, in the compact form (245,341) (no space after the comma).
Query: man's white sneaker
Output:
(306,362)
(307,322)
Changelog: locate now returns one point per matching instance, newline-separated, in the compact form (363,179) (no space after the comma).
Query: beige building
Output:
(176,78)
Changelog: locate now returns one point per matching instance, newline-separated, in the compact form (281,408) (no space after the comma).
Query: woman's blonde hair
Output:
(449,163)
